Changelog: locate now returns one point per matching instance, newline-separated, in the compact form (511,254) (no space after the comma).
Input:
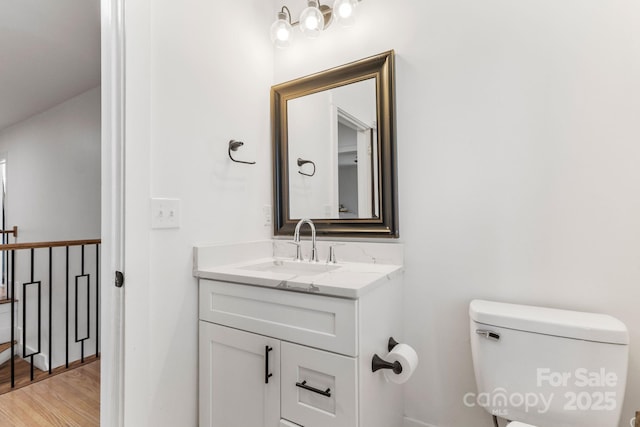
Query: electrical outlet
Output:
(266,212)
(165,213)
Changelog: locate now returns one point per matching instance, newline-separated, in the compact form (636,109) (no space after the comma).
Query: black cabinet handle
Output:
(267,375)
(304,385)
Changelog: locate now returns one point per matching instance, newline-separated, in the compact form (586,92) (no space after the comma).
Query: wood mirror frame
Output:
(380,67)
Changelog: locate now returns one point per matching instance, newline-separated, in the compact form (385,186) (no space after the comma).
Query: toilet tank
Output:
(548,367)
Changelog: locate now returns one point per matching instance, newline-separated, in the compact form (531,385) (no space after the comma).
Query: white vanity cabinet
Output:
(279,358)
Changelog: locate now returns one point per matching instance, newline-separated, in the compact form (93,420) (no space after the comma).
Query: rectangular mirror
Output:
(334,150)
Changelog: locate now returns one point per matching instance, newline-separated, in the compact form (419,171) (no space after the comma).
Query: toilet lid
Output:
(550,321)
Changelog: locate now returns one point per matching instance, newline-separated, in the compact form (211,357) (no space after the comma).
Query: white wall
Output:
(198,74)
(53,171)
(518,167)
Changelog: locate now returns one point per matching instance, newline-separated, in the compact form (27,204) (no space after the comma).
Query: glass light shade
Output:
(311,20)
(344,11)
(281,31)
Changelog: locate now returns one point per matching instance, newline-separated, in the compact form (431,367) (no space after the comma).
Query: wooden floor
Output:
(71,399)
(23,373)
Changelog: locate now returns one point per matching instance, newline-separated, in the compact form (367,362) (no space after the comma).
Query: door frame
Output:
(112,222)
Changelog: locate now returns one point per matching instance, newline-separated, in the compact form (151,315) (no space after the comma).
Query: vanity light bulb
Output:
(311,20)
(281,31)
(345,11)
(282,34)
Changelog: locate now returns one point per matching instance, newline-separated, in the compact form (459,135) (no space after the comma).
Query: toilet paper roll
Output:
(408,358)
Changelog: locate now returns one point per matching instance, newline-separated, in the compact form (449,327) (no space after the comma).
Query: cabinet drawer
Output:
(318,388)
(315,320)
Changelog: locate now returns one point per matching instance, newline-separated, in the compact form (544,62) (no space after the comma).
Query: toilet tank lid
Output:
(550,321)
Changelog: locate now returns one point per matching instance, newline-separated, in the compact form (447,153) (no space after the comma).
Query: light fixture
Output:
(281,29)
(313,20)
(344,11)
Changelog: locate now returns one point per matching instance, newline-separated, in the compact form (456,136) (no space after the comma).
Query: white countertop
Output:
(348,280)
(344,279)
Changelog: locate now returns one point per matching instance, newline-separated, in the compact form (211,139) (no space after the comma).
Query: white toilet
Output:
(545,367)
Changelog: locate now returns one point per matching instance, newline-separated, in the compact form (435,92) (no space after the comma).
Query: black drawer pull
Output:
(304,385)
(267,375)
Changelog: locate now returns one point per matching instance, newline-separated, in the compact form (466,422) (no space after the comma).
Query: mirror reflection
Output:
(336,130)
(334,150)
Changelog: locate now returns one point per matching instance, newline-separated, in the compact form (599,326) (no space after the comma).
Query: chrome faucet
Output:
(296,240)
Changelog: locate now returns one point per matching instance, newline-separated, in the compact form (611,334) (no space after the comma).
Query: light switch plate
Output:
(165,213)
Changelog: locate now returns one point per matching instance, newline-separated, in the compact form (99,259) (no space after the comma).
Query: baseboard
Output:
(40,360)
(410,422)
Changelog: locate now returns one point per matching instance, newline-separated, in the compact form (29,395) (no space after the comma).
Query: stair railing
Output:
(84,278)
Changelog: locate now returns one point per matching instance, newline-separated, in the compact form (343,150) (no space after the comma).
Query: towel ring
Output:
(233,146)
(304,162)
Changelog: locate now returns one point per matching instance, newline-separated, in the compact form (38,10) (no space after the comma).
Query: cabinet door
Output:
(234,391)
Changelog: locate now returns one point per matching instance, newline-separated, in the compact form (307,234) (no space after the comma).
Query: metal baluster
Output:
(24,315)
(13,320)
(81,272)
(97,299)
(50,308)
(39,325)
(76,306)
(24,318)
(66,317)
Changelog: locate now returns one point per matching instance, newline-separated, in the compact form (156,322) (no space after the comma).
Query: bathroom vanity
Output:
(286,344)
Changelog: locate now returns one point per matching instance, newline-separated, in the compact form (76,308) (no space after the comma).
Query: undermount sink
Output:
(297,268)
(362,267)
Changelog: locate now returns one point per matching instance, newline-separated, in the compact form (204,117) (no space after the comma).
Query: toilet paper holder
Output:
(378,363)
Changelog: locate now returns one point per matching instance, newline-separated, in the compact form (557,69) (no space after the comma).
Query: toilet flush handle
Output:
(488,334)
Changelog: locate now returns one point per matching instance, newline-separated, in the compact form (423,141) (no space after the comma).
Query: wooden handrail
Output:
(38,245)
(13,231)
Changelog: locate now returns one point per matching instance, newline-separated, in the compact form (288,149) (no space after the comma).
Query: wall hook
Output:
(233,146)
(304,162)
